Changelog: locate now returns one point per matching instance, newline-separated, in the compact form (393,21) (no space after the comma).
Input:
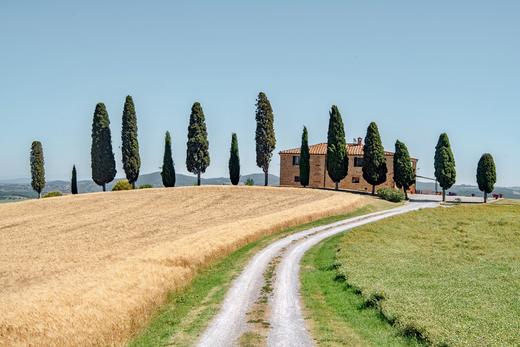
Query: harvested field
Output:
(90,269)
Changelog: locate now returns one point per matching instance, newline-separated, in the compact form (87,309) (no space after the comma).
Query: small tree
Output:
(197,153)
(37,168)
(74,181)
(102,156)
(130,145)
(404,176)
(305,166)
(445,172)
(264,136)
(374,160)
(234,161)
(168,168)
(337,156)
(486,174)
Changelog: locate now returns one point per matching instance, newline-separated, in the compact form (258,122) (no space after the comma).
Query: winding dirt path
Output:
(286,323)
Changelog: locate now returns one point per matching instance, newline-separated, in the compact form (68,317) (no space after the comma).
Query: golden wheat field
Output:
(90,269)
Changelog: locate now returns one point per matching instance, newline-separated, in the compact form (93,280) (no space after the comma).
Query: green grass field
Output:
(337,312)
(181,320)
(446,276)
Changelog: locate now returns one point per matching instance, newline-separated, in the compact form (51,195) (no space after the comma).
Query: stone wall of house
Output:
(319,178)
(355,180)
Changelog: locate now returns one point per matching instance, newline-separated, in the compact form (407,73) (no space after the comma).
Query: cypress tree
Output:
(197,153)
(168,169)
(337,156)
(234,161)
(445,172)
(374,160)
(37,168)
(102,157)
(264,135)
(130,145)
(486,174)
(74,181)
(404,176)
(305,166)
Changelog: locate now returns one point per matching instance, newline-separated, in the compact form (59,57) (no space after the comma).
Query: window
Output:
(355,179)
(296,160)
(297,179)
(358,162)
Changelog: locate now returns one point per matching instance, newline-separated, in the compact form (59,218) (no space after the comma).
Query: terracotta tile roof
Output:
(321,149)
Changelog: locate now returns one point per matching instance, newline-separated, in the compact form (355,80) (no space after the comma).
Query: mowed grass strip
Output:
(449,276)
(336,313)
(181,320)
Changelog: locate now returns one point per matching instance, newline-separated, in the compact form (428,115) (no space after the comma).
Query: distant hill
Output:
(185,180)
(21,189)
(468,190)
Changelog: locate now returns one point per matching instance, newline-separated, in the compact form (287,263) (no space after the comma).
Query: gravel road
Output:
(287,325)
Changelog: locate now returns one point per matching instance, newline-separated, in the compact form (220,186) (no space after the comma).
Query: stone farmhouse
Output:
(290,169)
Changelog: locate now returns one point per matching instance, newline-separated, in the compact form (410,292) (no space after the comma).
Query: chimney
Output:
(359,140)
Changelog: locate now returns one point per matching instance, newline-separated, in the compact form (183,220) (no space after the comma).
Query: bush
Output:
(250,182)
(145,186)
(390,194)
(122,185)
(52,194)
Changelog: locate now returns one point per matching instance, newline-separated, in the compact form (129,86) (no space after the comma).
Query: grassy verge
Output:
(448,276)
(186,313)
(339,316)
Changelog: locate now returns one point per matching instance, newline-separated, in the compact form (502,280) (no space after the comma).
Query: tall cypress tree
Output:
(168,169)
(130,145)
(102,156)
(234,161)
(37,168)
(74,181)
(305,166)
(337,156)
(374,160)
(445,172)
(486,174)
(264,135)
(197,153)
(404,176)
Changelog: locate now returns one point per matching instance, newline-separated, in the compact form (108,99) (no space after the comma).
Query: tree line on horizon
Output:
(103,162)
(374,168)
(374,161)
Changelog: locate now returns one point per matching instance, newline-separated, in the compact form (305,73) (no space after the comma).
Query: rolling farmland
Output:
(90,269)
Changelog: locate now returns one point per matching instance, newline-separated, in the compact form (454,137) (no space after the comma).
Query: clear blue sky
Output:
(417,68)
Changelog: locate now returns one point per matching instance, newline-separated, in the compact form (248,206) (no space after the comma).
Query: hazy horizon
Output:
(416,69)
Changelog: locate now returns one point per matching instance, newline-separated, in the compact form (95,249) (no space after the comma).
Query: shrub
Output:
(390,194)
(122,185)
(52,194)
(250,182)
(145,186)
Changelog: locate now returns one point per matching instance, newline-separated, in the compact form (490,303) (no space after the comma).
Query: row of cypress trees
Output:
(197,153)
(197,147)
(374,161)
(103,163)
